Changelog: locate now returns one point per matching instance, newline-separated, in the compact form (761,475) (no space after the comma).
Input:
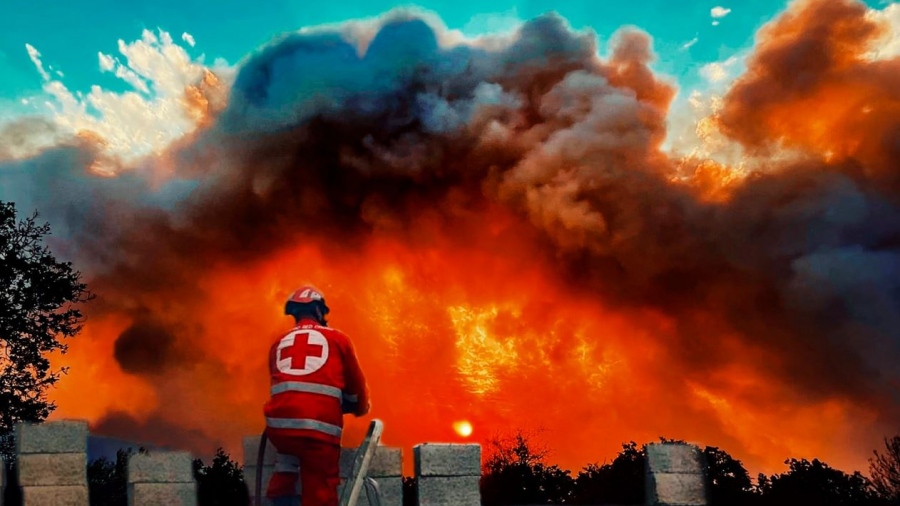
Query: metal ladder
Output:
(360,470)
(350,492)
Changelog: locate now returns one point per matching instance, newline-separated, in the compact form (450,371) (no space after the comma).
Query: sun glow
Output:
(463,428)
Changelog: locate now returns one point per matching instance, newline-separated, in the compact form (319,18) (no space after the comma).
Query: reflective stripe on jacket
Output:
(313,370)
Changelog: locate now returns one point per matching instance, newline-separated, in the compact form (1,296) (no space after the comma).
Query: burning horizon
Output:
(498,227)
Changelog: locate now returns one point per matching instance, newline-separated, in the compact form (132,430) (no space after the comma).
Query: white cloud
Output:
(889,45)
(107,62)
(719,12)
(188,38)
(715,23)
(36,59)
(111,64)
(720,72)
(690,43)
(136,123)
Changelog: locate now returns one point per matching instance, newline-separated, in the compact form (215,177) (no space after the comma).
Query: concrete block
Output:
(386,461)
(449,491)
(676,489)
(673,458)
(391,488)
(160,467)
(162,494)
(447,459)
(52,469)
(72,495)
(64,436)
(251,449)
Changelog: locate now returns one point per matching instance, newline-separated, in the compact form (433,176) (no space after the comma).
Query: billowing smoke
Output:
(499,228)
(146,348)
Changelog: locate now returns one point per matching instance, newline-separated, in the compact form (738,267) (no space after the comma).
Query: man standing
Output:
(316,378)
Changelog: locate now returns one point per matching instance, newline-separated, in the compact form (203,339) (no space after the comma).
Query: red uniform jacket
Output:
(316,378)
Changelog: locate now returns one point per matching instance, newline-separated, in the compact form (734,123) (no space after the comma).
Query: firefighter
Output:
(316,379)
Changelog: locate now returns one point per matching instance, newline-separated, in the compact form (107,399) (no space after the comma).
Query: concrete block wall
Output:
(52,469)
(162,478)
(386,468)
(448,474)
(674,475)
(52,463)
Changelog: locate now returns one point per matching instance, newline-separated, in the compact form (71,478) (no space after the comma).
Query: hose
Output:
(257,499)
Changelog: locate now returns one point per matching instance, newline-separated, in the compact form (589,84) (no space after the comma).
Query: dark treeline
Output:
(516,471)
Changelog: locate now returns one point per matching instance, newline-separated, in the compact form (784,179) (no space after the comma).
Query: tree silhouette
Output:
(816,483)
(515,473)
(728,481)
(410,491)
(108,481)
(619,482)
(222,483)
(885,471)
(38,295)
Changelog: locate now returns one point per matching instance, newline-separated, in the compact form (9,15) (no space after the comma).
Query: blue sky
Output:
(70,34)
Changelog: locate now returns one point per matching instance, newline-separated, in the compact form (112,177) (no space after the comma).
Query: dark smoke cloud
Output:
(318,141)
(147,347)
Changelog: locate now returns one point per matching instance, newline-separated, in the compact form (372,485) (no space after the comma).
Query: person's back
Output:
(315,379)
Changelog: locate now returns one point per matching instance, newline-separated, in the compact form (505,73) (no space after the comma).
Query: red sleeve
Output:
(354,379)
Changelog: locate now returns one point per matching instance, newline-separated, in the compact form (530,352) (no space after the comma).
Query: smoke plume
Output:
(497,226)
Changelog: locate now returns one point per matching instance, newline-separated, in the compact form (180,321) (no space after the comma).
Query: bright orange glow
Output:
(463,428)
(516,351)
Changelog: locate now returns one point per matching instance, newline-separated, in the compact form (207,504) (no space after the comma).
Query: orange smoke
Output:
(810,85)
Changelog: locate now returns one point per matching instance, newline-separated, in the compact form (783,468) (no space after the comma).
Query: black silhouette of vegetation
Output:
(516,473)
(108,481)
(221,483)
(410,491)
(816,483)
(884,469)
(618,482)
(39,299)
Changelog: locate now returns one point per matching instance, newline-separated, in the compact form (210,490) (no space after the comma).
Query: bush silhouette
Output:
(221,483)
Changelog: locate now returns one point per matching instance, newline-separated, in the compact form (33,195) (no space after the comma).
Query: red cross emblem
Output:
(302,352)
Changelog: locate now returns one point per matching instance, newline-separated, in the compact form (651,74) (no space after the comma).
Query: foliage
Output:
(816,483)
(515,473)
(38,298)
(618,482)
(885,471)
(108,481)
(728,481)
(410,491)
(221,483)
